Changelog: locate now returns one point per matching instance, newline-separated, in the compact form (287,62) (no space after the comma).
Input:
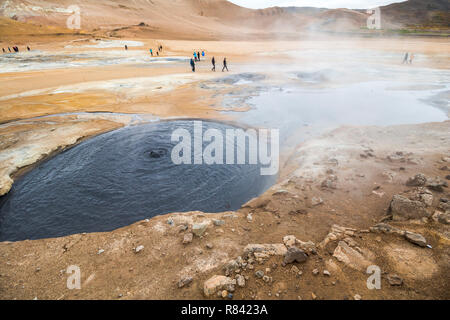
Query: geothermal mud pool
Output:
(121,177)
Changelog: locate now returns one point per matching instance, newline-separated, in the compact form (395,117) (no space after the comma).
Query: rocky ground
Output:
(353,198)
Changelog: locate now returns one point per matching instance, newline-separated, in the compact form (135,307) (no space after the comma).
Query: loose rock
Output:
(418,180)
(139,248)
(394,280)
(416,238)
(184,282)
(215,283)
(199,229)
(294,254)
(240,281)
(403,208)
(188,238)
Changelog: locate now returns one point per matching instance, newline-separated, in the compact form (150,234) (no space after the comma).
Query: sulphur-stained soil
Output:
(348,200)
(332,203)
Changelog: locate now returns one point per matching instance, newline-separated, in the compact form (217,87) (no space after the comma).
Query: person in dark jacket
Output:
(405,59)
(225,64)
(213,61)
(192,65)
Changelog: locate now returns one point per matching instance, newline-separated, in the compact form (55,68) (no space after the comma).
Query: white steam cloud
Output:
(331,4)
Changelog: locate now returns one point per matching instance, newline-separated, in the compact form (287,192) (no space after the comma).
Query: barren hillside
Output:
(214,19)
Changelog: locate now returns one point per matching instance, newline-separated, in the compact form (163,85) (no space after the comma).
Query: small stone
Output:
(259,274)
(199,229)
(250,217)
(326,273)
(139,249)
(215,283)
(294,254)
(218,222)
(416,238)
(357,297)
(100,251)
(266,279)
(184,282)
(313,296)
(315,201)
(209,246)
(315,272)
(394,280)
(188,238)
(224,294)
(240,281)
(419,180)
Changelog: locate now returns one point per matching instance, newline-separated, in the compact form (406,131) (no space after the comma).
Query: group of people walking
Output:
(160,49)
(197,55)
(14,49)
(213,62)
(408,58)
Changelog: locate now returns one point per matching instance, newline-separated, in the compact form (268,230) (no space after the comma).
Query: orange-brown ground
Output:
(365,186)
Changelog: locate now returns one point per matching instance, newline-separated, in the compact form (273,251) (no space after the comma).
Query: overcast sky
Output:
(351,4)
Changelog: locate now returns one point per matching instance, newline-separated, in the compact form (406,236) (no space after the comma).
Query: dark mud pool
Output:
(118,178)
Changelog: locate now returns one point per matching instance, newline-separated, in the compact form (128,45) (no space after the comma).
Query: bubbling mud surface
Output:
(118,178)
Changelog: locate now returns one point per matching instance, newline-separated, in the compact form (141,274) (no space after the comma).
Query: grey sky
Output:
(351,4)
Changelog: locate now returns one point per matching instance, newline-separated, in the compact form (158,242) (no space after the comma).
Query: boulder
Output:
(403,208)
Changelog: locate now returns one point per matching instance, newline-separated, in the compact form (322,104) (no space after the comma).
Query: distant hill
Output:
(216,19)
(417,14)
